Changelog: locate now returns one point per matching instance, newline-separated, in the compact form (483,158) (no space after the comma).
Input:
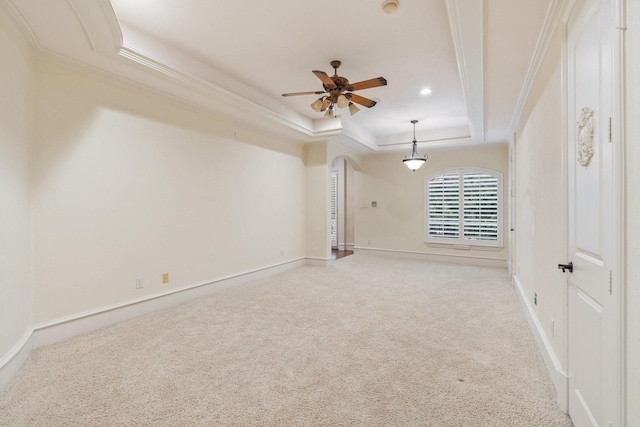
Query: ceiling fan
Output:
(338,92)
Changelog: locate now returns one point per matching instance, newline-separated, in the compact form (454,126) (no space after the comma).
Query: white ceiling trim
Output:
(461,145)
(170,64)
(18,18)
(86,34)
(429,144)
(100,24)
(111,57)
(349,140)
(551,19)
(232,100)
(467,20)
(220,100)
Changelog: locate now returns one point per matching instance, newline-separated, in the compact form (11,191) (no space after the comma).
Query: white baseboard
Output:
(451,258)
(350,246)
(317,262)
(558,374)
(11,362)
(70,326)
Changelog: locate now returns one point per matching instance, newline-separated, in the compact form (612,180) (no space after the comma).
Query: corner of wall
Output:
(70,326)
(559,377)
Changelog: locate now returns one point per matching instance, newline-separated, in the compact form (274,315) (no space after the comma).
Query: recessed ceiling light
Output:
(425,91)
(390,6)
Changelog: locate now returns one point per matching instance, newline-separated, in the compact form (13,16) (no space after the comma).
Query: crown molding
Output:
(100,45)
(232,100)
(201,93)
(100,24)
(469,40)
(552,17)
(14,14)
(349,141)
(430,144)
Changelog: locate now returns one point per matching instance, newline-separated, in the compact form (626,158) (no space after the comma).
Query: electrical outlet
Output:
(535,298)
(553,328)
(165,278)
(281,253)
(368,242)
(139,282)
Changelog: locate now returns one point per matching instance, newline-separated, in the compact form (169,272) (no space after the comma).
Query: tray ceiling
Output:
(235,59)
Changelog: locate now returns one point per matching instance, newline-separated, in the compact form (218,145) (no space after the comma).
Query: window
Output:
(334,209)
(463,207)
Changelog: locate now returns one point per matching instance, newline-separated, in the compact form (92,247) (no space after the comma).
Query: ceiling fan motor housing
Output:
(341,84)
(338,90)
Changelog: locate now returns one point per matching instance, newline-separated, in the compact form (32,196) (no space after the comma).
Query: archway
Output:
(341,185)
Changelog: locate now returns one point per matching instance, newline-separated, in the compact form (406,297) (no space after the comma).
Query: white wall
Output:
(350,202)
(540,205)
(127,185)
(15,147)
(633,213)
(318,239)
(397,223)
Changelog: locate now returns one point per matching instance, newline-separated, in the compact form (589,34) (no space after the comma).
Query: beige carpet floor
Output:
(368,341)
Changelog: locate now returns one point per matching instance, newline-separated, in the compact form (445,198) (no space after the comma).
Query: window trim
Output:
(461,242)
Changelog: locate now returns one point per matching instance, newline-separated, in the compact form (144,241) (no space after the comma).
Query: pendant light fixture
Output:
(415,161)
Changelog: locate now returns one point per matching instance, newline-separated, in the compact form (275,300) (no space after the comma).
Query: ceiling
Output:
(235,59)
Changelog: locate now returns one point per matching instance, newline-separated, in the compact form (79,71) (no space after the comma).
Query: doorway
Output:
(341,227)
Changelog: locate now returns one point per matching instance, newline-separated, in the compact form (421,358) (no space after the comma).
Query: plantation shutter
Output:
(444,207)
(463,207)
(480,206)
(334,210)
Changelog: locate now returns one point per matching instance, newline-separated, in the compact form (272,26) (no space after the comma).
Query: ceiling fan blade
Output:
(365,102)
(326,80)
(317,92)
(366,84)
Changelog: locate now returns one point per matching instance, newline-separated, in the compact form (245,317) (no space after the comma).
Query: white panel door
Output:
(593,352)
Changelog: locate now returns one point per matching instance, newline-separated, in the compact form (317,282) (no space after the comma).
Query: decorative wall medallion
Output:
(584,138)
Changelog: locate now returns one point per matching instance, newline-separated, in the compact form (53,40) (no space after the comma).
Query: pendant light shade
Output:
(317,105)
(329,107)
(330,113)
(414,164)
(415,161)
(342,101)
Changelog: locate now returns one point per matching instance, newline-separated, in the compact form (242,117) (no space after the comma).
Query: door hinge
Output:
(609,129)
(610,282)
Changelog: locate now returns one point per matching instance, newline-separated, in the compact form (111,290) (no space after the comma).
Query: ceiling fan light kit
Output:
(330,114)
(414,162)
(390,6)
(338,92)
(317,105)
